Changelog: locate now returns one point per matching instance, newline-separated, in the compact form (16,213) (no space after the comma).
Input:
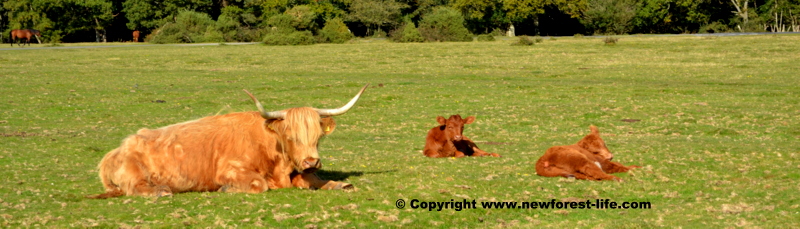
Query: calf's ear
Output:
(469,120)
(441,120)
(328,125)
(594,129)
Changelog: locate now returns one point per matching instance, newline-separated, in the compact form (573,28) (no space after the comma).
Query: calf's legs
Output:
(312,181)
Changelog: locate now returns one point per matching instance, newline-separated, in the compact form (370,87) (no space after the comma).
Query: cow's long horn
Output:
(343,109)
(266,115)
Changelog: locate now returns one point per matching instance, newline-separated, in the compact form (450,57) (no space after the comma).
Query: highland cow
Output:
(248,152)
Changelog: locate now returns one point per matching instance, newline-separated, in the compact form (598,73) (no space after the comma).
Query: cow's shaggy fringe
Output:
(302,125)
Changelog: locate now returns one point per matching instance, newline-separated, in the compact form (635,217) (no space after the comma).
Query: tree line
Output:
(309,21)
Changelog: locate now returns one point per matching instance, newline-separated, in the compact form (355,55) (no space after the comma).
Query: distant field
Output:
(718,134)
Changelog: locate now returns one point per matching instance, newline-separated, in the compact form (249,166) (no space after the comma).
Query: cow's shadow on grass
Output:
(342,175)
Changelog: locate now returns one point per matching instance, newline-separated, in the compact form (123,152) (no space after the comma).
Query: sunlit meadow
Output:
(712,120)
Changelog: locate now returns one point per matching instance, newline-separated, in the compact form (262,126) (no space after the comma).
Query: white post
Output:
(511,32)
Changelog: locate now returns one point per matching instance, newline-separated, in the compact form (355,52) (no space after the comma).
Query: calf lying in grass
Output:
(589,159)
(447,140)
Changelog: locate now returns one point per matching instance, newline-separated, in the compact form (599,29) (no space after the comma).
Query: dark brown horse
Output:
(24,34)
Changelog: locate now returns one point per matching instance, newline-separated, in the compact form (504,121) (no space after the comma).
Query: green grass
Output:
(718,137)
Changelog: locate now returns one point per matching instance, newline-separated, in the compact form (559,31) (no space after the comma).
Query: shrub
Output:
(189,27)
(281,23)
(407,33)
(609,16)
(578,35)
(335,31)
(225,29)
(485,37)
(284,27)
(610,40)
(168,33)
(444,24)
(212,35)
(54,39)
(250,34)
(411,34)
(538,39)
(291,38)
(523,40)
(714,27)
(496,32)
(302,17)
(379,33)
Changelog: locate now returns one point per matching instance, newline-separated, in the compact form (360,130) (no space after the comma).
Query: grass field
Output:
(718,136)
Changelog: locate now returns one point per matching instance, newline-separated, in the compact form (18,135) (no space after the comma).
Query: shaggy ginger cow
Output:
(448,140)
(247,152)
(589,159)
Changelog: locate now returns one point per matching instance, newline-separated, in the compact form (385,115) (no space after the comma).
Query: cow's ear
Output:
(328,125)
(469,120)
(594,129)
(441,120)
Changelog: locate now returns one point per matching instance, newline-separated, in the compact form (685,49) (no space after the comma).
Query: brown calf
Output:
(589,159)
(447,140)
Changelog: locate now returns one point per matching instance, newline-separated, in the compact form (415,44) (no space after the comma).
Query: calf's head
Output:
(594,144)
(300,129)
(453,127)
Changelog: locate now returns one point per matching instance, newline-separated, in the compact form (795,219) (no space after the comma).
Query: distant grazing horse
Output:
(136,36)
(24,34)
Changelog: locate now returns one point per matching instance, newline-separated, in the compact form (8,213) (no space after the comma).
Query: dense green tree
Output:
(303,17)
(573,8)
(679,16)
(417,8)
(519,10)
(58,18)
(247,20)
(375,13)
(150,14)
(189,27)
(481,15)
(407,32)
(609,16)
(444,24)
(780,15)
(25,14)
(335,31)
(652,16)
(475,9)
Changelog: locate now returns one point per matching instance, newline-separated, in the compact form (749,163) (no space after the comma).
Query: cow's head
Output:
(453,127)
(300,129)
(594,144)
